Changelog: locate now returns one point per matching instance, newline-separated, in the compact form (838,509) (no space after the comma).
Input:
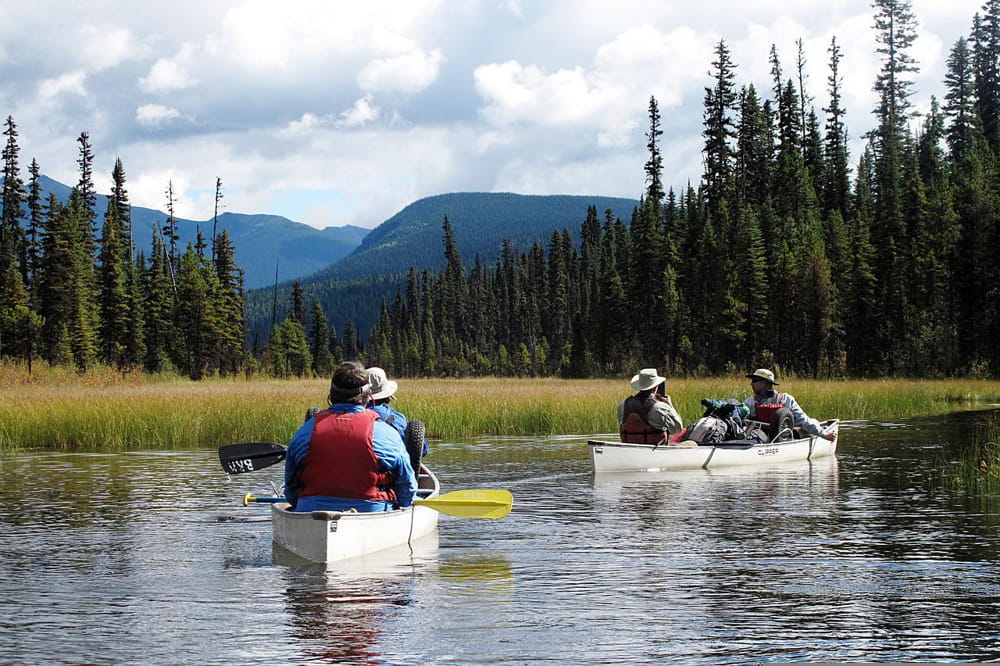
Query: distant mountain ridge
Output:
(355,286)
(480,221)
(263,242)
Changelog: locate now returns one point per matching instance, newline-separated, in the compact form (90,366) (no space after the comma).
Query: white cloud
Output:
(71,83)
(103,48)
(360,114)
(155,115)
(409,73)
(166,76)
(517,93)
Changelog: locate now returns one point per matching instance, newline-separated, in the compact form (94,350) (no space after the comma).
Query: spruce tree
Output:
(960,102)
(13,293)
(836,189)
(895,27)
(230,304)
(319,342)
(85,186)
(115,301)
(654,165)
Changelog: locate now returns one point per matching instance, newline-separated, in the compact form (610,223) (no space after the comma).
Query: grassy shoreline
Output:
(110,412)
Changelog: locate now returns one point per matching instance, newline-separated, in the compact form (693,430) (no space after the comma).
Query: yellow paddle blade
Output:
(491,504)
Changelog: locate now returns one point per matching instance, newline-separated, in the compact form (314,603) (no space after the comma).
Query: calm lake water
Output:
(149,558)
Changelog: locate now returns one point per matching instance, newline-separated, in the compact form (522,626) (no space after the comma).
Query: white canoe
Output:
(333,536)
(609,456)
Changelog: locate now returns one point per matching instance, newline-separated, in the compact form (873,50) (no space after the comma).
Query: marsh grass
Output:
(59,409)
(977,470)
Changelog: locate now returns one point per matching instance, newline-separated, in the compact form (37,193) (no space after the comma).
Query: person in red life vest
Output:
(648,417)
(346,457)
(766,402)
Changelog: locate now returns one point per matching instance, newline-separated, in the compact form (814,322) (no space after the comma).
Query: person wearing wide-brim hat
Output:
(383,393)
(648,417)
(766,402)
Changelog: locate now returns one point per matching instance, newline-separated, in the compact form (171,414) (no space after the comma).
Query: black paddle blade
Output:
(249,457)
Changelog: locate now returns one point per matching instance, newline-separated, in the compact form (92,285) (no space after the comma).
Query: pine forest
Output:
(789,253)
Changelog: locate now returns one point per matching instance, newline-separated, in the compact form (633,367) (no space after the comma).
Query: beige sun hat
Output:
(382,386)
(647,379)
(763,373)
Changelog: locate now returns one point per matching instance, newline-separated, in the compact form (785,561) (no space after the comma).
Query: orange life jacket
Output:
(634,427)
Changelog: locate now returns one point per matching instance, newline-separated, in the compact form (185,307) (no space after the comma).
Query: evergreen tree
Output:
(654,165)
(557,326)
(215,214)
(115,302)
(13,293)
(896,31)
(719,132)
(298,312)
(33,240)
(352,346)
(836,190)
(861,298)
(289,350)
(170,234)
(755,150)
(82,302)
(960,102)
(319,343)
(194,316)
(88,195)
(160,297)
(454,292)
(230,305)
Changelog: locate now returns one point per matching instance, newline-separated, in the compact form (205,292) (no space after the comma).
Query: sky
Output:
(330,112)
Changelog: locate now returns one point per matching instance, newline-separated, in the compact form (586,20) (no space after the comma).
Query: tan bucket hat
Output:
(763,373)
(647,379)
(382,386)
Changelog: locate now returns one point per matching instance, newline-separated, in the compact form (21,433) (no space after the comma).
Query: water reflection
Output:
(150,558)
(337,613)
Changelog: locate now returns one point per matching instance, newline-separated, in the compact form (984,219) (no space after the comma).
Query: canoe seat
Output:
(326,515)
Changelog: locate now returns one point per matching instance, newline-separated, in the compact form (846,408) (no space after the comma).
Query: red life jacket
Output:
(634,428)
(341,461)
(764,411)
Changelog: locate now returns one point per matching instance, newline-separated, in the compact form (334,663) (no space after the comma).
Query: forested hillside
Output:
(354,287)
(261,241)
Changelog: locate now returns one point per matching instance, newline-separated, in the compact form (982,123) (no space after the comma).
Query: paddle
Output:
(492,504)
(250,456)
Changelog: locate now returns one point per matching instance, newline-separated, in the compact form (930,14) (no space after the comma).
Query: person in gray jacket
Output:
(765,403)
(648,417)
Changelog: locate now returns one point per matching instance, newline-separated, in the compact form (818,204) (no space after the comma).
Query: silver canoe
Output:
(610,456)
(333,536)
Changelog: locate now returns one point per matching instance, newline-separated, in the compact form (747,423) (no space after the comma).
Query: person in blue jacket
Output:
(383,393)
(347,457)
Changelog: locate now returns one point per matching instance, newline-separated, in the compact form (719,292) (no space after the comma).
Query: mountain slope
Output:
(354,287)
(260,240)
(480,222)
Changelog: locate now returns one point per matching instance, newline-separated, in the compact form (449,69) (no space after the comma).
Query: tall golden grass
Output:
(54,408)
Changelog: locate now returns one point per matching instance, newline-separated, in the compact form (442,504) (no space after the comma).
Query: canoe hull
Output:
(333,536)
(608,456)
